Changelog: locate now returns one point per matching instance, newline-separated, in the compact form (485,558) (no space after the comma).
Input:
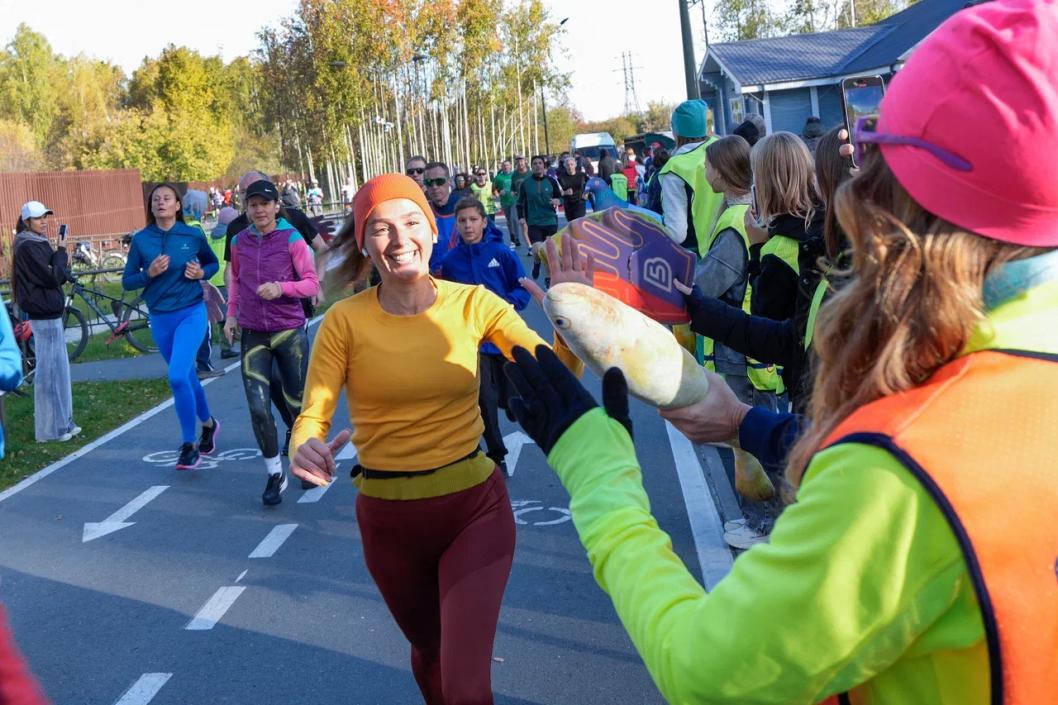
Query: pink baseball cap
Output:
(984,87)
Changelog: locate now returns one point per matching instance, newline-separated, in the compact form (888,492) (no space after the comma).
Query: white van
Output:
(591,144)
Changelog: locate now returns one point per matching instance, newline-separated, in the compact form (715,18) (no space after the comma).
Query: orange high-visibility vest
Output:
(981,435)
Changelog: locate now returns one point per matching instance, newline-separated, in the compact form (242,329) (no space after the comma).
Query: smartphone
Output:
(862,97)
(62,233)
(754,206)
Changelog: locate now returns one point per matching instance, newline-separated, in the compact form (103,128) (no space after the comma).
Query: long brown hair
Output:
(730,157)
(784,175)
(355,264)
(832,170)
(912,299)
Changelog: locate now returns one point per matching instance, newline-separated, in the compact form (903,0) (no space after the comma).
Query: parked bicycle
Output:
(128,319)
(24,339)
(108,265)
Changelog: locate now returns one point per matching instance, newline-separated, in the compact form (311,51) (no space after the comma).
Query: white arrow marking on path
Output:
(271,543)
(316,493)
(116,521)
(213,611)
(514,442)
(143,690)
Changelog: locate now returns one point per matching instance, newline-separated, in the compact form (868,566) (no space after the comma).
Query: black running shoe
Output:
(207,442)
(285,450)
(189,457)
(536,268)
(274,489)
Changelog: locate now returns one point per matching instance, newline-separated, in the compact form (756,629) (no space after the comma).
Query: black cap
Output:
(263,188)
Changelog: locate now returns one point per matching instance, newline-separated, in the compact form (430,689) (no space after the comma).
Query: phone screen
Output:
(862,96)
(62,232)
(754,207)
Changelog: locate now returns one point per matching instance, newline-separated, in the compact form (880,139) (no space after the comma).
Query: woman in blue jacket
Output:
(481,257)
(167,260)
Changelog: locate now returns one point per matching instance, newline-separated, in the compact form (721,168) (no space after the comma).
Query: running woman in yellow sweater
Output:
(433,510)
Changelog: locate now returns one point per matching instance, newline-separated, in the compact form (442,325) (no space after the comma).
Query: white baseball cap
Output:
(35,209)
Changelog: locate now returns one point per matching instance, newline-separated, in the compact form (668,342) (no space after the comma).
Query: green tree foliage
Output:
(28,87)
(734,20)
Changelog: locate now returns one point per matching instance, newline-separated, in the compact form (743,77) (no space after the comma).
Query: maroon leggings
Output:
(442,564)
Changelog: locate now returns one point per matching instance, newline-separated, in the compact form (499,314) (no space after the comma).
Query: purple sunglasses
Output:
(867,133)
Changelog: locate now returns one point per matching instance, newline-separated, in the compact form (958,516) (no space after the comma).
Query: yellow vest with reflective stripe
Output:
(785,248)
(705,203)
(766,378)
(813,311)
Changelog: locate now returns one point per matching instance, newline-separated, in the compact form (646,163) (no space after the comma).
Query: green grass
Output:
(98,407)
(98,349)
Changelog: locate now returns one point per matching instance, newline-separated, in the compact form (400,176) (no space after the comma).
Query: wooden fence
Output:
(100,206)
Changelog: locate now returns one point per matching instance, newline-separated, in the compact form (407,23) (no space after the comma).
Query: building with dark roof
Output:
(788,79)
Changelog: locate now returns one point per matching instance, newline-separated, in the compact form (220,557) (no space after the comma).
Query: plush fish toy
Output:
(605,333)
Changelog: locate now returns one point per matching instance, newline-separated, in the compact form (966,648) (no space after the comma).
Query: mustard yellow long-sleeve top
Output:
(411,381)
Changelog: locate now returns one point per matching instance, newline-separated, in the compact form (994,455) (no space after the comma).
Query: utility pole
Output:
(690,71)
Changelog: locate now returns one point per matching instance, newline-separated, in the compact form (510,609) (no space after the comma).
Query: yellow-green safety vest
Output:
(705,203)
(813,311)
(785,248)
(619,185)
(765,377)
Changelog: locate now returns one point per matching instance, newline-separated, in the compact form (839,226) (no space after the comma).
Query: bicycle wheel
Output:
(76,331)
(29,360)
(136,326)
(115,263)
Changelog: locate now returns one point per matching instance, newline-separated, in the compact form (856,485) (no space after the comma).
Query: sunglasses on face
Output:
(867,133)
(439,181)
(413,172)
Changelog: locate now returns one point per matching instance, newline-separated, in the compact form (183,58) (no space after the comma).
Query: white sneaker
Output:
(744,537)
(75,431)
(734,524)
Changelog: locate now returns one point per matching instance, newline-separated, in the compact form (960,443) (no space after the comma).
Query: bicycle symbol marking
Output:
(522,507)
(209,462)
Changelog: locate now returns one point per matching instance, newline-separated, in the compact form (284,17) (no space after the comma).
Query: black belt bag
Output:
(370,474)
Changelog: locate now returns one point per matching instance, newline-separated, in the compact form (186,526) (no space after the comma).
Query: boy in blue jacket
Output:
(481,257)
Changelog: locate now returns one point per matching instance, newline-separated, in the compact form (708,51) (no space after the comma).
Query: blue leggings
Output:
(178,334)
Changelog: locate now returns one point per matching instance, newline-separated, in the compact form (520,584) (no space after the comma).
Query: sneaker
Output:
(189,457)
(734,524)
(210,374)
(274,489)
(207,442)
(229,354)
(744,537)
(536,269)
(285,450)
(75,431)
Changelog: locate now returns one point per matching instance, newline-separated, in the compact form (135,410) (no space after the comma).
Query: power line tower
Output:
(631,100)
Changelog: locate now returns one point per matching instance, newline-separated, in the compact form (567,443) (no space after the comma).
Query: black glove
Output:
(550,398)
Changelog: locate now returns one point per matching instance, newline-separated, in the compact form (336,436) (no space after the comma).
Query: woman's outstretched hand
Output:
(314,459)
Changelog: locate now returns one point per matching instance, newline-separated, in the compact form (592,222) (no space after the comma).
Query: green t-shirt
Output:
(516,182)
(508,196)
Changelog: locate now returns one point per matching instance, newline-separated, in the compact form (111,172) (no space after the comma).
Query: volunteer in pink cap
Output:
(434,515)
(919,564)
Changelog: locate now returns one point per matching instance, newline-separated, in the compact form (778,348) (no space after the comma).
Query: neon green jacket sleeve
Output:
(861,573)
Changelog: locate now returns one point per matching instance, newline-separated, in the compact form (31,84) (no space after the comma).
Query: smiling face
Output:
(398,239)
(262,212)
(165,204)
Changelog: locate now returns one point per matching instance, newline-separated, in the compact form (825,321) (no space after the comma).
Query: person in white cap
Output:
(39,273)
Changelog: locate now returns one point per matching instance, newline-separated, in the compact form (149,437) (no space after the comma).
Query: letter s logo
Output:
(658,272)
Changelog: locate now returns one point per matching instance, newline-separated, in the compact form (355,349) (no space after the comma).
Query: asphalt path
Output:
(128,582)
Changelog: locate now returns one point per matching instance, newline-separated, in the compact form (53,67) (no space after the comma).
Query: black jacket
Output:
(39,274)
(763,338)
(775,285)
